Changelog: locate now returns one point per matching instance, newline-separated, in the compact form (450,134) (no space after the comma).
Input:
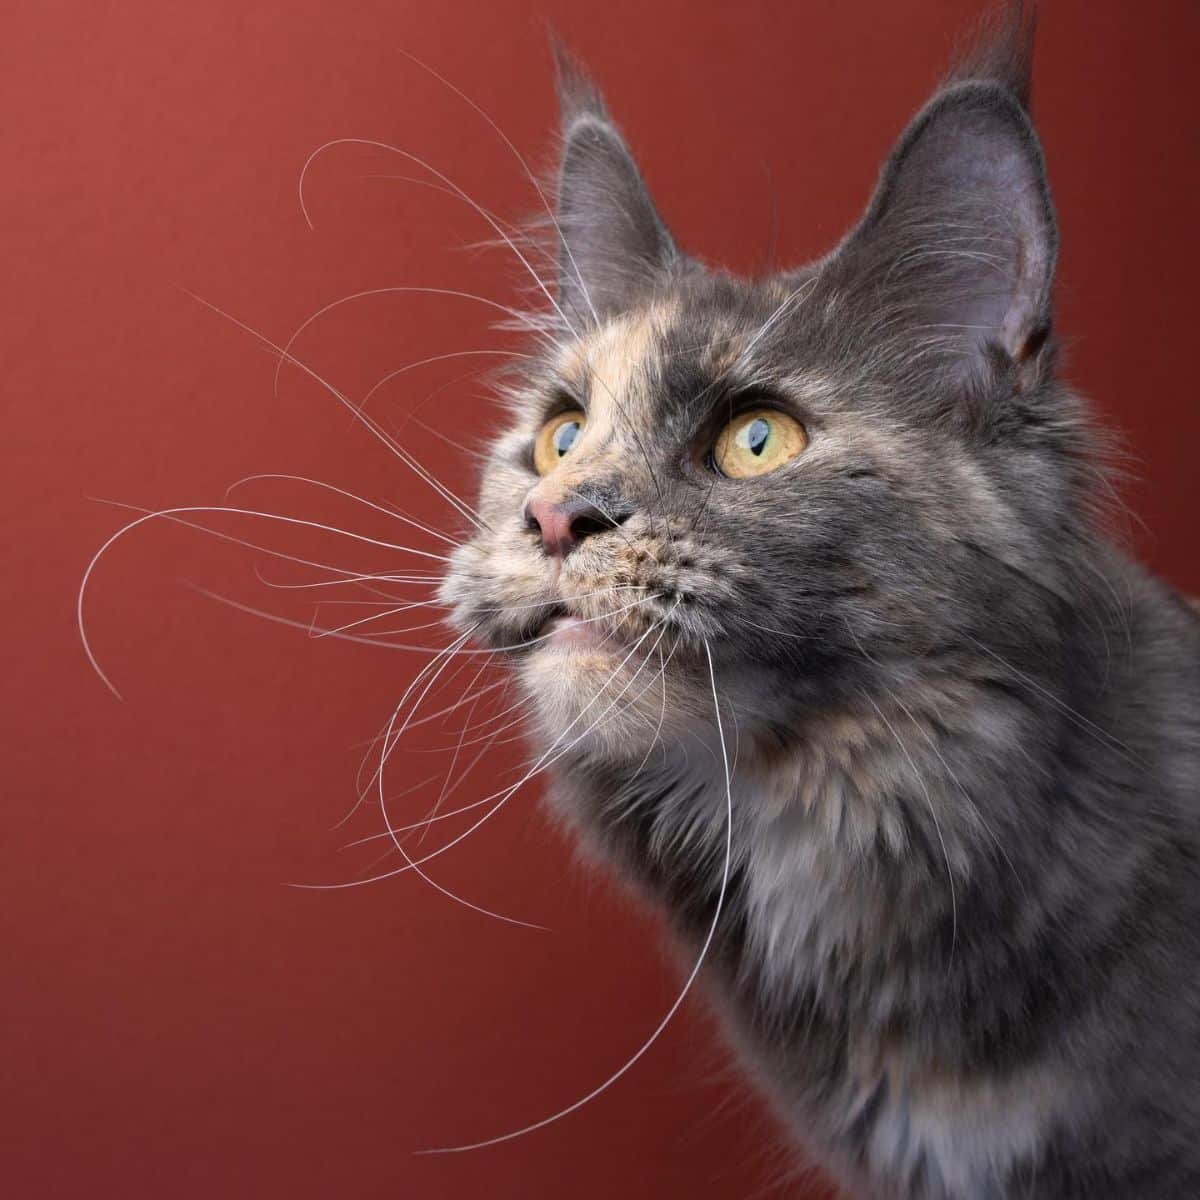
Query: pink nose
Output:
(564,524)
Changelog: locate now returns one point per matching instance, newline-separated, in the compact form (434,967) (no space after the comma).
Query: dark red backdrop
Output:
(176,1020)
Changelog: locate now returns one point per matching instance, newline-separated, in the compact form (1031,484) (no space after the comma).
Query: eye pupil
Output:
(758,442)
(557,438)
(564,437)
(755,435)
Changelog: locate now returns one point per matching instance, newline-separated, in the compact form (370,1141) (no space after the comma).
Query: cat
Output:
(809,590)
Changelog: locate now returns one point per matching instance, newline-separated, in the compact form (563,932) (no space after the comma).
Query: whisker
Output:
(546,759)
(173,514)
(392,607)
(276,619)
(662,677)
(412,787)
(514,231)
(424,362)
(390,602)
(329,487)
(369,422)
(1077,718)
(529,174)
(467,698)
(374,641)
(443,656)
(462,449)
(352,578)
(500,608)
(683,992)
(456,648)
(649,653)
(384,755)
(457,749)
(426,166)
(958,783)
(936,823)
(583,621)
(493,734)
(318,633)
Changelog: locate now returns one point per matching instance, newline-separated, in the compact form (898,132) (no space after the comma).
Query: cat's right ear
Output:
(612,244)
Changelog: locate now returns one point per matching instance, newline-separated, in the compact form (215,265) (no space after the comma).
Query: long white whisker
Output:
(386,741)
(389,744)
(456,648)
(936,823)
(504,794)
(467,698)
(494,608)
(590,620)
(959,784)
(426,166)
(352,577)
(424,362)
(683,992)
(514,231)
(329,487)
(369,422)
(662,632)
(529,174)
(449,788)
(583,621)
(323,632)
(458,749)
(173,513)
(1077,718)
(373,641)
(307,627)
(662,676)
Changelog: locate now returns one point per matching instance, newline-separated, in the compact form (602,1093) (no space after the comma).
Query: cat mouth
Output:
(574,633)
(563,630)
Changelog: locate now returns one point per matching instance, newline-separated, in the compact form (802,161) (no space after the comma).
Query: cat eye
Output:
(758,441)
(556,439)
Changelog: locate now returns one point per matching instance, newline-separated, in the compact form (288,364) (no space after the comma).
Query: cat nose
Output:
(563,524)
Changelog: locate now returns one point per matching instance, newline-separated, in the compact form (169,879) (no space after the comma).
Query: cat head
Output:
(814,478)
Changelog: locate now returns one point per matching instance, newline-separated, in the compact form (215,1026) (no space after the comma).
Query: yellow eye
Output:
(556,438)
(758,441)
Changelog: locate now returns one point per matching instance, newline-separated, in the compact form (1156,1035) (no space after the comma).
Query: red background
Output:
(175,1019)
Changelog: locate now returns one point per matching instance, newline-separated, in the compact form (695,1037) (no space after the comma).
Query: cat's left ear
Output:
(612,244)
(957,249)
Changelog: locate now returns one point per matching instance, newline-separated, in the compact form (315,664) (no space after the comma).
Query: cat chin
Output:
(582,695)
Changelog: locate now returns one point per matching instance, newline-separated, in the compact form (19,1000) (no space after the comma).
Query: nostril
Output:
(592,521)
(562,526)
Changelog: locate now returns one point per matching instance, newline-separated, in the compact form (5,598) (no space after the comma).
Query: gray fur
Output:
(961,941)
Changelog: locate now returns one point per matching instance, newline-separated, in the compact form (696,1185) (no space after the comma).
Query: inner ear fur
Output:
(959,242)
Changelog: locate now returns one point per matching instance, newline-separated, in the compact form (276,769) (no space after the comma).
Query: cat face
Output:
(804,478)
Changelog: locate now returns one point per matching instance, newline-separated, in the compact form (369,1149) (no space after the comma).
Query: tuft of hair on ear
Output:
(578,96)
(954,258)
(613,245)
(1000,50)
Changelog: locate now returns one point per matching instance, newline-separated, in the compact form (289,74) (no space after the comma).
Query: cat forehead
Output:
(666,348)
(643,343)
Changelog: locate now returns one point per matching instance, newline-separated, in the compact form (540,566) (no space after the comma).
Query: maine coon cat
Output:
(812,600)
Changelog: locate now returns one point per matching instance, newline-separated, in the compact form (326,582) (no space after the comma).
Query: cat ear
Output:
(957,249)
(612,243)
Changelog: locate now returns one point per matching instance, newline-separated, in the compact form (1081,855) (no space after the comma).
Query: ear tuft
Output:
(578,96)
(955,255)
(613,245)
(1001,51)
